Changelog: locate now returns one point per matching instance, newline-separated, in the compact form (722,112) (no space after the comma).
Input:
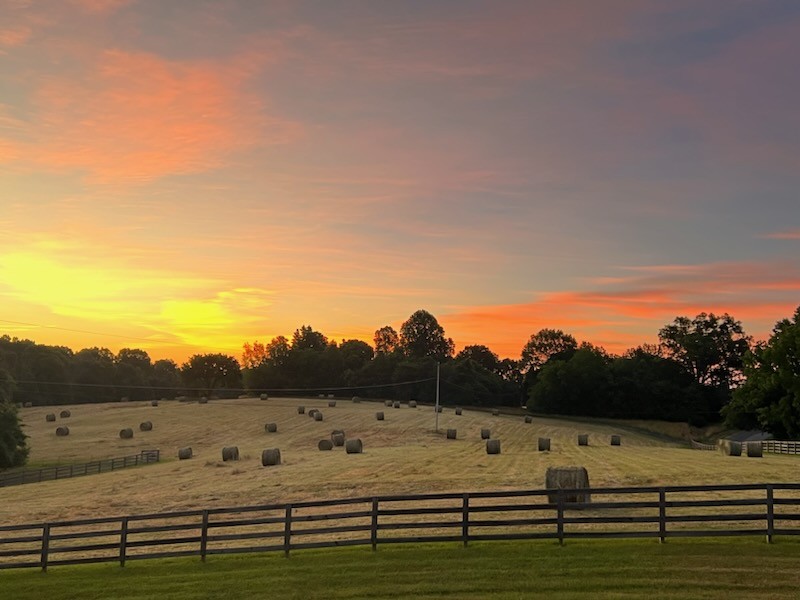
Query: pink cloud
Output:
(15,36)
(101,6)
(790,234)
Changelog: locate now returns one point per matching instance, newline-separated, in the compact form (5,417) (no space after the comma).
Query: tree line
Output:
(702,369)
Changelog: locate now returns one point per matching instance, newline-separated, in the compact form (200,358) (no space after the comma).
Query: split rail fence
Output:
(90,468)
(779,447)
(632,512)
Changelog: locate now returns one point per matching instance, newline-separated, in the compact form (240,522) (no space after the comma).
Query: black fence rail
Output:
(779,447)
(66,471)
(644,512)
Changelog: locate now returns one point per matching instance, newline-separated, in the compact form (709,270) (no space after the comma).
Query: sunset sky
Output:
(184,176)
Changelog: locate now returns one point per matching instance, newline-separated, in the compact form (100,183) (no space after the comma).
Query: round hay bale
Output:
(318,416)
(331,403)
(486,434)
(495,412)
(730,447)
(412,404)
(126,433)
(755,449)
(271,427)
(459,410)
(270,457)
(325,445)
(203,400)
(356,399)
(62,431)
(492,446)
(387,403)
(154,403)
(583,439)
(65,414)
(184,453)
(337,439)
(301,410)
(337,432)
(575,479)
(146,426)
(230,453)
(528,419)
(379,415)
(616,440)
(264,397)
(353,446)
(396,405)
(50,417)
(544,444)
(312,412)
(451,434)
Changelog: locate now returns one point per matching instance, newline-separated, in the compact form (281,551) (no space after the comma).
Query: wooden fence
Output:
(778,447)
(67,471)
(701,446)
(643,512)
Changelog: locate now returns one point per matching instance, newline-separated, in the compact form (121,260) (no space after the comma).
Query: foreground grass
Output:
(586,569)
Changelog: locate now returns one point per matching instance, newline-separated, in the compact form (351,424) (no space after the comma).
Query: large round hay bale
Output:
(146,426)
(492,446)
(528,419)
(451,434)
(312,412)
(568,478)
(325,445)
(729,447)
(301,410)
(203,400)
(353,446)
(544,444)
(62,431)
(459,410)
(616,440)
(379,415)
(387,403)
(154,403)
(486,434)
(184,453)
(583,439)
(412,404)
(337,432)
(495,412)
(50,417)
(356,399)
(65,414)
(755,449)
(271,427)
(230,453)
(396,404)
(337,439)
(126,433)
(318,416)
(331,403)
(270,457)
(264,397)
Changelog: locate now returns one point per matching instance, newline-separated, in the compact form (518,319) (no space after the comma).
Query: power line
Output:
(114,335)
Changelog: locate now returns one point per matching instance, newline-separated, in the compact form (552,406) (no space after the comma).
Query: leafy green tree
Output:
(421,336)
(94,367)
(770,395)
(13,446)
(355,354)
(165,378)
(132,374)
(305,338)
(212,372)
(579,385)
(386,340)
(482,356)
(545,345)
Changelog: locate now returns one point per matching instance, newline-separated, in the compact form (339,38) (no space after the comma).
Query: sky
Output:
(185,176)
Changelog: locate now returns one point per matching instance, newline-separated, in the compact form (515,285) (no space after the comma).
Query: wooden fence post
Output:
(45,545)
(123,541)
(465,519)
(374,525)
(287,531)
(662,515)
(560,517)
(204,536)
(770,513)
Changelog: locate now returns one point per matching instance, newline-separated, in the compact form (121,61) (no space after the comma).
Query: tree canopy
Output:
(13,445)
(422,336)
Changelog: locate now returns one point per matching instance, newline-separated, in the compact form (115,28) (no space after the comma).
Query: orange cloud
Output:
(136,117)
(791,234)
(14,36)
(101,6)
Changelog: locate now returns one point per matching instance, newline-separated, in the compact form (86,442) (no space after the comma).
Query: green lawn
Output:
(746,568)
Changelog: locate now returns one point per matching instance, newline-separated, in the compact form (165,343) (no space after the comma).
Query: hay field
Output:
(402,454)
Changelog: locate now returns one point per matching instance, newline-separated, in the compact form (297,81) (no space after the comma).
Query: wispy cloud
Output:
(789,234)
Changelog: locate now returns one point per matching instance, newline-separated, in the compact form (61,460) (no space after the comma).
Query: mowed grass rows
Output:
(402,454)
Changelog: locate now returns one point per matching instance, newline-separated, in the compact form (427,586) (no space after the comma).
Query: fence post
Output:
(662,515)
(560,517)
(204,536)
(373,536)
(45,545)
(123,541)
(287,531)
(465,519)
(770,513)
